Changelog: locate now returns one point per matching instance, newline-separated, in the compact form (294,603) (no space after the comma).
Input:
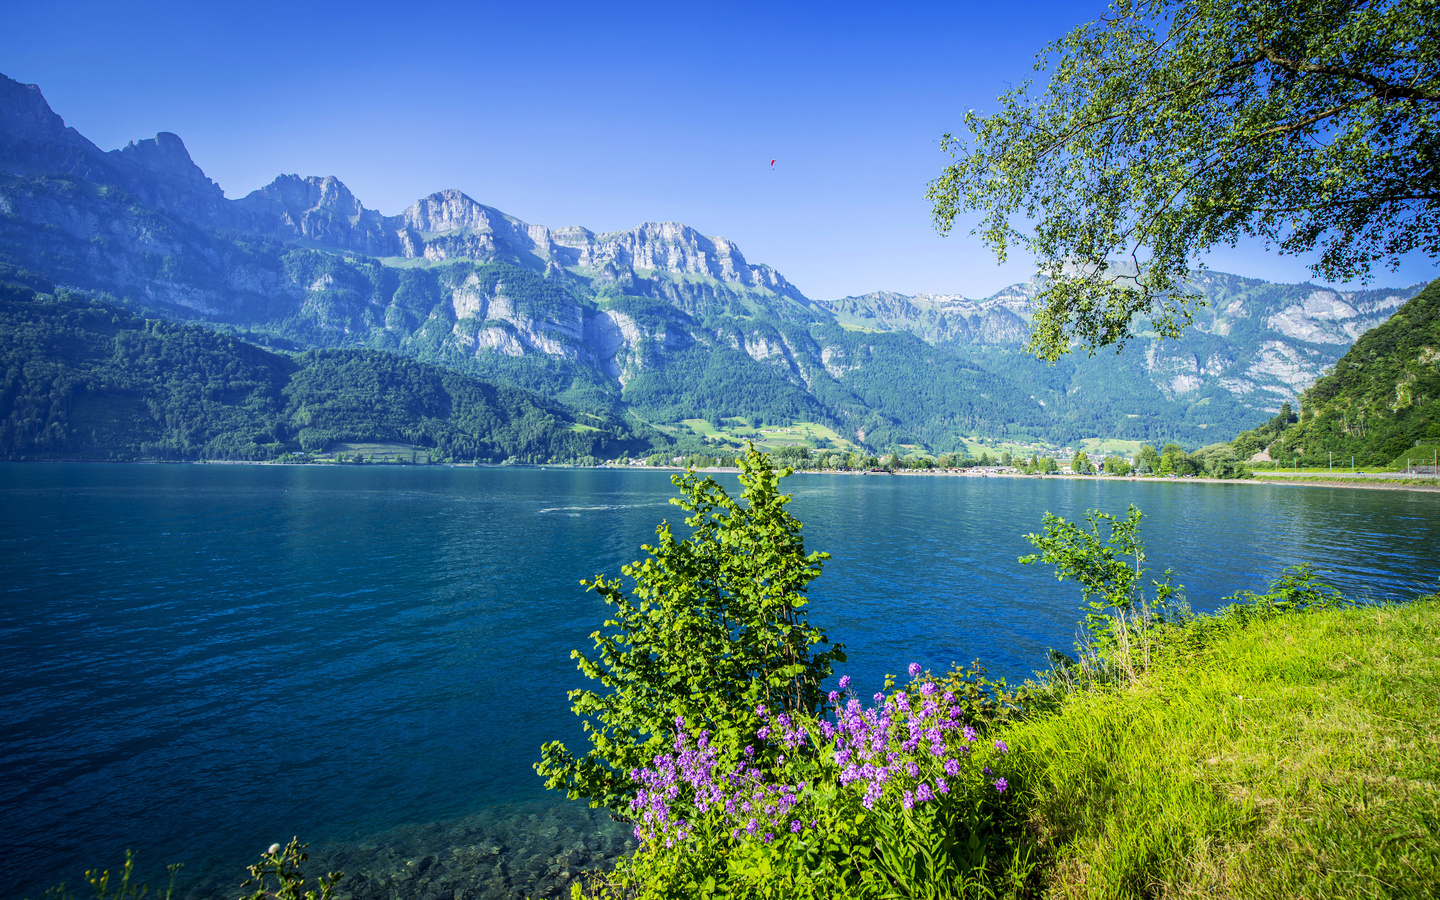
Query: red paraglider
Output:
(772,163)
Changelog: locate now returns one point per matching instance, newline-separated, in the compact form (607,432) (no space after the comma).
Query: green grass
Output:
(1103,447)
(377,452)
(1422,455)
(1298,757)
(736,431)
(1347,478)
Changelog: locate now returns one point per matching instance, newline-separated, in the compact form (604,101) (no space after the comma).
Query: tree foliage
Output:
(1109,568)
(712,626)
(1171,126)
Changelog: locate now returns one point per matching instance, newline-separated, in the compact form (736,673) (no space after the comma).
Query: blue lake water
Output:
(197,661)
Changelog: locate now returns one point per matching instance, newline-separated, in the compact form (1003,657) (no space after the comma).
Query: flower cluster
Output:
(910,749)
(692,777)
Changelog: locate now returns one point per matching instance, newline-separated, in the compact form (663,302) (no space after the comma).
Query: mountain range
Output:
(659,323)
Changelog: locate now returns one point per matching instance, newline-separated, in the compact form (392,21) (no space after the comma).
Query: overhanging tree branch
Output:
(1384,90)
(1162,145)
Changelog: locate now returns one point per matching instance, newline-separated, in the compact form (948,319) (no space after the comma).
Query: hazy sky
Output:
(597,114)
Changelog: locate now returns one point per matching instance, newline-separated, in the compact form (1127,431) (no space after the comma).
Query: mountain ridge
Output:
(631,319)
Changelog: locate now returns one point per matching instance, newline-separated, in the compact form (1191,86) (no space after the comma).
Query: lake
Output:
(198,661)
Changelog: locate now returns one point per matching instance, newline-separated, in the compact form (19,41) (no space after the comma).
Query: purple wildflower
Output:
(844,682)
(1001,746)
(969,733)
(795,826)
(923,793)
(1001,784)
(908,801)
(914,669)
(928,688)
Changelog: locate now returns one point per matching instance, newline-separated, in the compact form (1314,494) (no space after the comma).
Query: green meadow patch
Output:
(1419,455)
(1297,757)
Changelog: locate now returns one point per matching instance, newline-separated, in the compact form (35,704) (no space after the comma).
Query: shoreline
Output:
(1381,481)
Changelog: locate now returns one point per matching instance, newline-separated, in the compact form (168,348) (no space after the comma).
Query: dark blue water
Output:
(198,661)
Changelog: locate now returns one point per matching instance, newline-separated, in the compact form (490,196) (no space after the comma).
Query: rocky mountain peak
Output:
(165,158)
(35,140)
(315,208)
(297,195)
(452,210)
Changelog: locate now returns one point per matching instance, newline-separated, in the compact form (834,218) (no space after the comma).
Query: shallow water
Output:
(198,661)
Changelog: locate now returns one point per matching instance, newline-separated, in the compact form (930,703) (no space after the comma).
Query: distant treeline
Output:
(88,380)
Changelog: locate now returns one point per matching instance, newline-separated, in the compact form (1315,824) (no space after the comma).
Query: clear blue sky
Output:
(597,114)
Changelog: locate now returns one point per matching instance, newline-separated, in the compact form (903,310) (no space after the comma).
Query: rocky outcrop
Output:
(171,180)
(1327,316)
(936,318)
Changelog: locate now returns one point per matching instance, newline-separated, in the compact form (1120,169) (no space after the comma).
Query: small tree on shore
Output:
(711,627)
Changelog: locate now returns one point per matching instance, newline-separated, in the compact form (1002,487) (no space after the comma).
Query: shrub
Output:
(1109,569)
(712,627)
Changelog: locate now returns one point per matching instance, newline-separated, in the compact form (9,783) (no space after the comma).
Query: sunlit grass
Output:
(1106,446)
(736,431)
(1294,758)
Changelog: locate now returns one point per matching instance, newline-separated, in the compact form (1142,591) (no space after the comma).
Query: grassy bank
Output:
(1298,757)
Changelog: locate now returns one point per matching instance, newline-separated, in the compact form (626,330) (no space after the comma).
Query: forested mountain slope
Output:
(80,379)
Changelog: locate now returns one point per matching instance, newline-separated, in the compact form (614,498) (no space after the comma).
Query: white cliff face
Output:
(939,318)
(610,335)
(1325,317)
(1301,337)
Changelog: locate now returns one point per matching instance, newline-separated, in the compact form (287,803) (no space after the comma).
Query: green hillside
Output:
(87,380)
(1382,398)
